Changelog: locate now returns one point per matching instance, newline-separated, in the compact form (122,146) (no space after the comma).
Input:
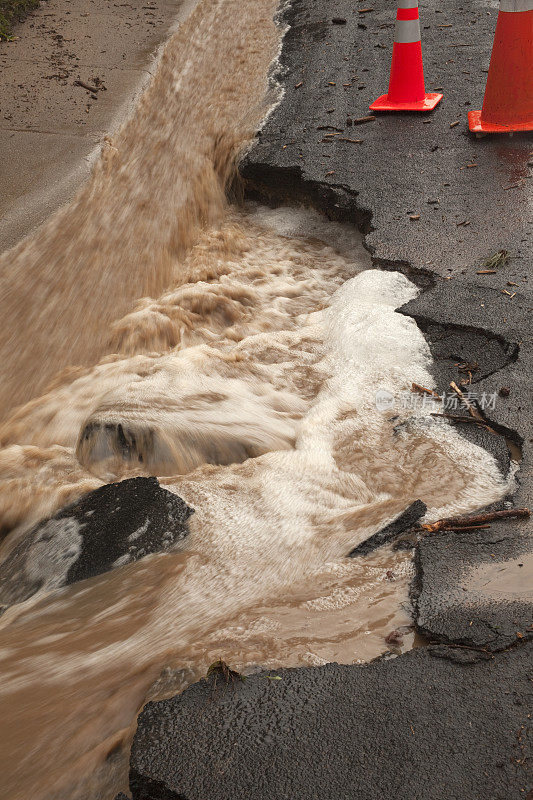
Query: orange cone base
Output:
(428,103)
(477,125)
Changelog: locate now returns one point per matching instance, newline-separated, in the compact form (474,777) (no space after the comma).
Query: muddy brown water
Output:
(239,351)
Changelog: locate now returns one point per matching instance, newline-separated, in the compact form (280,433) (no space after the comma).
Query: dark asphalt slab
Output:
(474,588)
(434,724)
(473,195)
(117,524)
(390,532)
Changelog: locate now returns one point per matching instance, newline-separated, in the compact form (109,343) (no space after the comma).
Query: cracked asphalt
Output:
(451,719)
(473,195)
(408,165)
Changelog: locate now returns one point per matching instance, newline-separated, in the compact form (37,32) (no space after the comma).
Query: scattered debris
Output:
(219,669)
(467,420)
(505,391)
(466,528)
(468,369)
(474,520)
(395,638)
(415,387)
(453,124)
(89,87)
(472,410)
(499,259)
(338,21)
(363,120)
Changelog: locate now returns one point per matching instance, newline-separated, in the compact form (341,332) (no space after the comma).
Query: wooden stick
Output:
(471,409)
(415,387)
(467,528)
(468,420)
(87,86)
(464,521)
(362,120)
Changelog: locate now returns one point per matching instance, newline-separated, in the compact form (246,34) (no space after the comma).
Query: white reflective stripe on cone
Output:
(407,30)
(407,4)
(516,6)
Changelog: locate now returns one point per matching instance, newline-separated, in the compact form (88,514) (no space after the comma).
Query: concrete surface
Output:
(434,724)
(50,129)
(112,526)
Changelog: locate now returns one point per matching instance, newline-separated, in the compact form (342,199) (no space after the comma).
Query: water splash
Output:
(236,352)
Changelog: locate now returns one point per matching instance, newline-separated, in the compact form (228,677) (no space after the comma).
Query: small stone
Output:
(394,637)
(338,21)
(505,391)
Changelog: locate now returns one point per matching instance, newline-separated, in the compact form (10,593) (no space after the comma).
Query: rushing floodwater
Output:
(241,350)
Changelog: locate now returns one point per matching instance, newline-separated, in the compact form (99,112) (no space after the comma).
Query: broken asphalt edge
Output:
(331,200)
(277,184)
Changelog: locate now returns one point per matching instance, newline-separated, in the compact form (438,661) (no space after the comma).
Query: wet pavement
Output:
(474,197)
(435,203)
(478,326)
(394,727)
(50,127)
(433,724)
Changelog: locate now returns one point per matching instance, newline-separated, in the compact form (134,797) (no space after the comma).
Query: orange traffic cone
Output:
(508,102)
(406,85)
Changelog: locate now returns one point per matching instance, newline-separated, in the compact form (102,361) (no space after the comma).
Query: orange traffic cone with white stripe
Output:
(406,85)
(508,102)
